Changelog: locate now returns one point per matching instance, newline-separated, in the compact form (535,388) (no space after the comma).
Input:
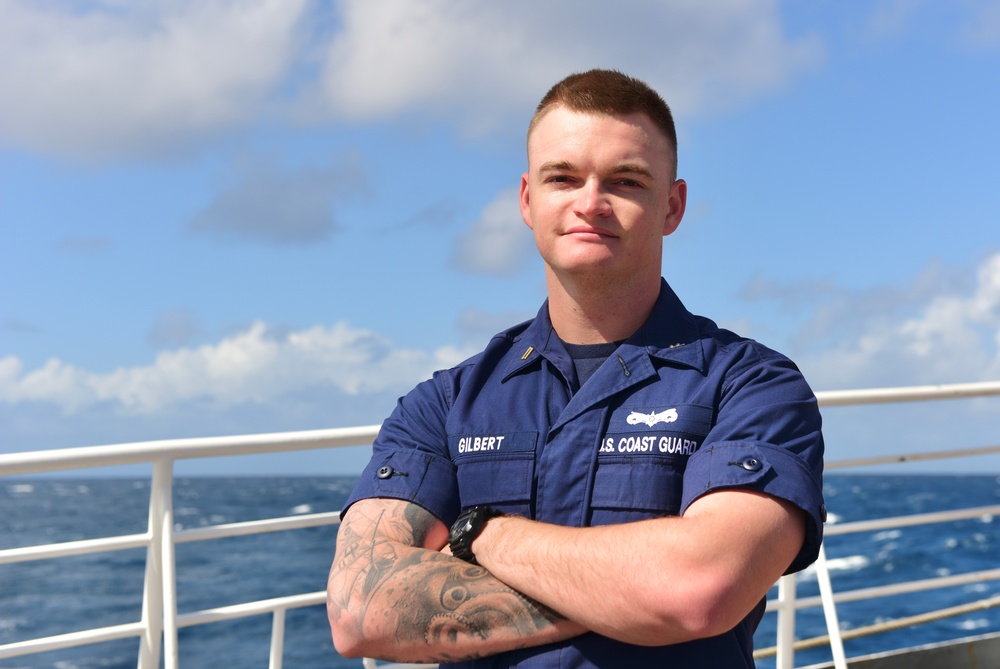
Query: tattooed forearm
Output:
(433,606)
(448,602)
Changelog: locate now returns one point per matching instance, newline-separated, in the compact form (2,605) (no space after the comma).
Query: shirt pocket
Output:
(634,488)
(641,461)
(497,470)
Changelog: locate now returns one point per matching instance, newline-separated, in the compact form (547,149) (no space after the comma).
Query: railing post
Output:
(830,610)
(152,589)
(171,657)
(277,639)
(785,642)
(159,600)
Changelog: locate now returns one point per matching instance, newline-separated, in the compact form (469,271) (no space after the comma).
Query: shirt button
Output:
(751,464)
(384,472)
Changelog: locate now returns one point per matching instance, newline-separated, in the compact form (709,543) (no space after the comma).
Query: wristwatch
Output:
(466,528)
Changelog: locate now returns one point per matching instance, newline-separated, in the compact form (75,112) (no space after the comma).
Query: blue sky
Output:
(241,217)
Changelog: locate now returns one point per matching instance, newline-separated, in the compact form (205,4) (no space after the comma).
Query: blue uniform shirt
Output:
(680,409)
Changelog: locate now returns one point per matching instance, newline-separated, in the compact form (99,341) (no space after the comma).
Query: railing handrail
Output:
(127,541)
(31,462)
(83,457)
(160,538)
(944,391)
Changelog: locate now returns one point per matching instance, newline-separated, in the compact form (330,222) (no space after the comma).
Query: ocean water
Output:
(70,594)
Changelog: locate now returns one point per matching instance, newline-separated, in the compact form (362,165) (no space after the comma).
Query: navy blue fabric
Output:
(680,409)
(587,358)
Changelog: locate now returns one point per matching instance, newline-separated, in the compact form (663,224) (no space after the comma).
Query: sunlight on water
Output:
(887,535)
(851,563)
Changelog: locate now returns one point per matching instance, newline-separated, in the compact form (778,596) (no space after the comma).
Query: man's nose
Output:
(592,200)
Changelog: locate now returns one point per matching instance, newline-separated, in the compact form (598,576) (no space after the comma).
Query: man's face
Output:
(599,194)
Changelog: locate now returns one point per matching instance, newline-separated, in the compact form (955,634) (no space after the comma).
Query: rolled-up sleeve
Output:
(410,456)
(767,437)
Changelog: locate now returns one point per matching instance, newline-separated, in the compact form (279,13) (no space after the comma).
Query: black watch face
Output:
(459,528)
(460,537)
(464,522)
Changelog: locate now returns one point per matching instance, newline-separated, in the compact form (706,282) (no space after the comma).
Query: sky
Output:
(235,217)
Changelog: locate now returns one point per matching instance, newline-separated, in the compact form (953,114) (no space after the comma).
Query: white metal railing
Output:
(160,621)
(786,604)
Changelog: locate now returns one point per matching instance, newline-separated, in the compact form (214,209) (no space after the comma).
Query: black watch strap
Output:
(466,528)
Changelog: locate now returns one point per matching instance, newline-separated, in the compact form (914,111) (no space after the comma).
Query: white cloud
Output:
(126,78)
(952,336)
(498,243)
(483,62)
(132,79)
(252,367)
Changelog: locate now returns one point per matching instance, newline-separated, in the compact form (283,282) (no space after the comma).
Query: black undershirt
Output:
(588,357)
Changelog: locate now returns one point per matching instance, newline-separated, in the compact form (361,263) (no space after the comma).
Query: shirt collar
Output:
(670,333)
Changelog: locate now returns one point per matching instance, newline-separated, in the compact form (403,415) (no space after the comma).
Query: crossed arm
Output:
(393,594)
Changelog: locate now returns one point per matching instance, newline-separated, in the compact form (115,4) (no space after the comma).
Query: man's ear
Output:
(525,209)
(677,202)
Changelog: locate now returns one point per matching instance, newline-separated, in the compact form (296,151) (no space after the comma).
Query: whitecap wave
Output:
(10,624)
(849,563)
(888,535)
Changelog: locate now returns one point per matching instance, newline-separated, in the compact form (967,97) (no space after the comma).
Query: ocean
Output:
(69,594)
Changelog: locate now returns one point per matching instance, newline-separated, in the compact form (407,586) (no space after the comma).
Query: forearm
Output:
(655,582)
(590,575)
(399,602)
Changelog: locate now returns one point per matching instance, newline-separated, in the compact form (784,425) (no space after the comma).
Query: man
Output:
(626,480)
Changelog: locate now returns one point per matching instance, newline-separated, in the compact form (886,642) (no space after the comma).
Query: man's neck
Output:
(600,311)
